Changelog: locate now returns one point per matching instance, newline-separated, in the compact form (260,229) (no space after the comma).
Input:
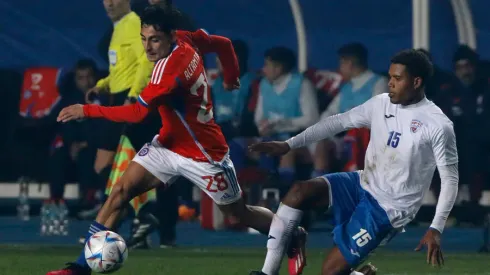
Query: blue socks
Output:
(94,228)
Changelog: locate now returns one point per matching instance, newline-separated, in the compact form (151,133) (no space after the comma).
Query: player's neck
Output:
(419,97)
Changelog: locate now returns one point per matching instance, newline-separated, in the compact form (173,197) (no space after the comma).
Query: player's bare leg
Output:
(335,264)
(135,181)
(256,217)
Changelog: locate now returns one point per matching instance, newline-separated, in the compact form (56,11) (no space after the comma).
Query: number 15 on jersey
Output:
(394,139)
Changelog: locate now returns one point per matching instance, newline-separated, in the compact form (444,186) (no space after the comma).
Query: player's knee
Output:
(296,196)
(306,194)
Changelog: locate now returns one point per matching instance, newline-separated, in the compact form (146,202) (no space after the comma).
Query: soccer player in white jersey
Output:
(410,137)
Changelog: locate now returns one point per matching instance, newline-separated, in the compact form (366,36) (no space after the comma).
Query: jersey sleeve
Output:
(360,116)
(444,145)
(164,79)
(132,113)
(222,46)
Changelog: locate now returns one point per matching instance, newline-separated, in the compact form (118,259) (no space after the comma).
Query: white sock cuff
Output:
(288,213)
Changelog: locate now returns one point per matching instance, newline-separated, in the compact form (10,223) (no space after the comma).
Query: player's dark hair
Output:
(426,52)
(356,51)
(416,62)
(283,56)
(84,64)
(161,19)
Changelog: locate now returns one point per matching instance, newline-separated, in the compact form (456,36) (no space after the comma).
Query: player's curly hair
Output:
(416,62)
(164,20)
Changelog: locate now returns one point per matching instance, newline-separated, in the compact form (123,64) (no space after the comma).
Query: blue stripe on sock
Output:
(94,228)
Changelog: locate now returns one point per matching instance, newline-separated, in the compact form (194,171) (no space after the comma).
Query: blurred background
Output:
(331,55)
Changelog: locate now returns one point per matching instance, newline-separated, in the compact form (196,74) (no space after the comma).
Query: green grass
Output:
(30,260)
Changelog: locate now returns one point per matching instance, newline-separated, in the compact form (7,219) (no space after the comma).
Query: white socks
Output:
(283,225)
(356,273)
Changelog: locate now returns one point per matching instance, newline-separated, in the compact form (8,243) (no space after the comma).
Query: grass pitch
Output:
(30,260)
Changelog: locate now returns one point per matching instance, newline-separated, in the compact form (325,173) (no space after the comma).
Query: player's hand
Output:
(73,112)
(91,93)
(432,239)
(271,148)
(233,86)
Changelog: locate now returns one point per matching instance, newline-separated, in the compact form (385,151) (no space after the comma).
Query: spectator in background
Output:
(468,107)
(75,142)
(287,104)
(360,84)
(230,108)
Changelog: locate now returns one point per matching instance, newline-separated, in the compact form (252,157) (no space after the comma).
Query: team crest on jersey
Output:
(415,125)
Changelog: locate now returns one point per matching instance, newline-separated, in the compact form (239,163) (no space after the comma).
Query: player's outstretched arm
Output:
(321,130)
(447,197)
(445,153)
(130,113)
(357,117)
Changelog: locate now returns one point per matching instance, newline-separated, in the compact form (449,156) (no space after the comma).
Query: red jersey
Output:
(179,89)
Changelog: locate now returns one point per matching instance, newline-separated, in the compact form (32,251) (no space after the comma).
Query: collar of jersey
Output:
(125,16)
(415,105)
(174,46)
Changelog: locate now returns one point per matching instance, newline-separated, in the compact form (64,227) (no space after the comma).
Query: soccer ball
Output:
(105,252)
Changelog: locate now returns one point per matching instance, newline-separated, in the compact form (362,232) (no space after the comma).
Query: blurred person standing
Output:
(129,72)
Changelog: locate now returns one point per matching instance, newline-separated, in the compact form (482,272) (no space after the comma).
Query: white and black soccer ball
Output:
(105,252)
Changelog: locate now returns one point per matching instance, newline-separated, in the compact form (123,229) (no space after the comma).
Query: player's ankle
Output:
(94,228)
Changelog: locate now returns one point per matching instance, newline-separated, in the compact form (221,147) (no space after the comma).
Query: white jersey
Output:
(407,143)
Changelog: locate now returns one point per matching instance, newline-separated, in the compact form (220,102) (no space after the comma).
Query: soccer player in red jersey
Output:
(190,143)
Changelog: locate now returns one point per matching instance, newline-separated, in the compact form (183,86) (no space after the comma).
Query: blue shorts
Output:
(361,225)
